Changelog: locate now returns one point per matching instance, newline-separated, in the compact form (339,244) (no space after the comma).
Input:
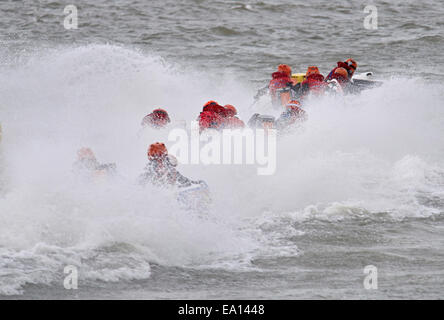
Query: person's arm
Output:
(329,76)
(183,181)
(146,176)
(261,92)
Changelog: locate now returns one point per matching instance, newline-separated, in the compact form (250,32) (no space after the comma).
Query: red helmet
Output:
(351,63)
(213,106)
(231,110)
(157,118)
(86,154)
(342,72)
(210,103)
(157,150)
(161,115)
(285,69)
(312,70)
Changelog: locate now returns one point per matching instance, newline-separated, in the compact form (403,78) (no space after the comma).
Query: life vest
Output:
(295,114)
(215,108)
(342,80)
(208,119)
(313,84)
(290,117)
(160,172)
(233,123)
(280,81)
(340,65)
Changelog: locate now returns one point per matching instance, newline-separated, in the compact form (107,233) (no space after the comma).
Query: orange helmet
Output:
(157,150)
(293,103)
(342,72)
(86,154)
(231,110)
(312,70)
(285,69)
(351,63)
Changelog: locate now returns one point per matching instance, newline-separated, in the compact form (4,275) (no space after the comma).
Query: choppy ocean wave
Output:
(362,182)
(372,157)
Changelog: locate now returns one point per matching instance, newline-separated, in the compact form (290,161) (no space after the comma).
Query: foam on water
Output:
(356,156)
